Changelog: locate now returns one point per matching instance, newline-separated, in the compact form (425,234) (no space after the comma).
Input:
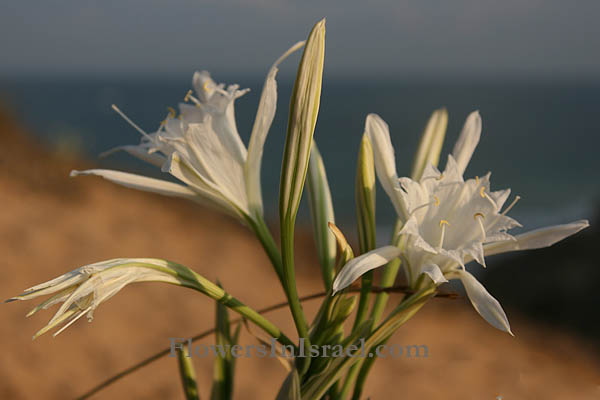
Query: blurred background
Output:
(532,69)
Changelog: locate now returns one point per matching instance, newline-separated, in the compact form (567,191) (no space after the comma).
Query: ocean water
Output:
(540,139)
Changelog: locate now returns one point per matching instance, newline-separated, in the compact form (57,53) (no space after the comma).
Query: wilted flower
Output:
(82,290)
(448,221)
(202,148)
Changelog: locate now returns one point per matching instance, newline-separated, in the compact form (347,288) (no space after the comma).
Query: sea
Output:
(540,138)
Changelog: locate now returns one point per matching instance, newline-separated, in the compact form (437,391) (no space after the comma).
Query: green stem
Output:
(263,234)
(360,370)
(193,280)
(368,363)
(315,389)
(289,279)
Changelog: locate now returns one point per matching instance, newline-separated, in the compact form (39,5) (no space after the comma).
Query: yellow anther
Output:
(172,112)
(476,179)
(205,86)
(478,215)
(437,200)
(187,95)
(444,222)
(482,192)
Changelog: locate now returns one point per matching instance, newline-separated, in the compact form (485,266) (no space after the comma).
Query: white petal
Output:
(264,118)
(207,190)
(435,273)
(536,239)
(411,228)
(52,286)
(218,158)
(219,103)
(141,183)
(385,163)
(487,306)
(467,141)
(364,263)
(500,197)
(475,250)
(204,85)
(139,152)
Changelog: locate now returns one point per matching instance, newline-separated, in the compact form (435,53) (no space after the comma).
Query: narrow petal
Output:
(467,141)
(138,152)
(262,123)
(487,306)
(364,263)
(385,163)
(141,183)
(435,273)
(536,239)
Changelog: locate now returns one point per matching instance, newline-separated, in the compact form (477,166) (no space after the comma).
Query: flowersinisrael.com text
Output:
(273,349)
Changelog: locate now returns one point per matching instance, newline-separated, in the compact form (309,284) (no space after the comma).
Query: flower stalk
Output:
(304,108)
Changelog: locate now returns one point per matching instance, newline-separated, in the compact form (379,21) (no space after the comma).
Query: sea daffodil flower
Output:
(82,290)
(448,221)
(202,148)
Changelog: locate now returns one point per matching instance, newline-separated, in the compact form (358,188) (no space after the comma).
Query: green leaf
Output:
(187,373)
(290,390)
(316,387)
(321,208)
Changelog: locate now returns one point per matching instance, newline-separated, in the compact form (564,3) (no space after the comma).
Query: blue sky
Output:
(551,39)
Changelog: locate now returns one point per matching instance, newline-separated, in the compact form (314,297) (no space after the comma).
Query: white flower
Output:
(448,221)
(82,290)
(202,148)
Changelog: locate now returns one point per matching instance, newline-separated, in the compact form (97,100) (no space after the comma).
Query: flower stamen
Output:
(436,201)
(483,194)
(517,198)
(189,96)
(443,224)
(130,122)
(71,322)
(479,217)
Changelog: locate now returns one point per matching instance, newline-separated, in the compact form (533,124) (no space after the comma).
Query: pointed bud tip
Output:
(74,173)
(11,300)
